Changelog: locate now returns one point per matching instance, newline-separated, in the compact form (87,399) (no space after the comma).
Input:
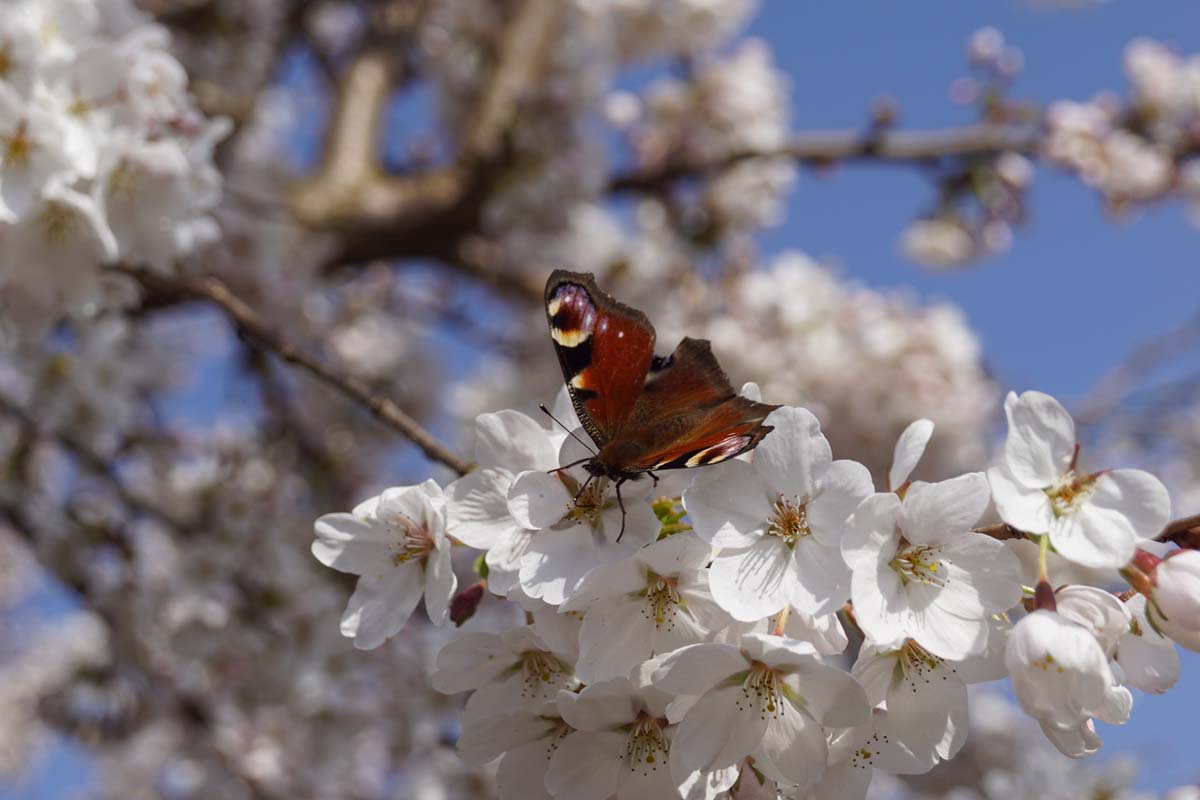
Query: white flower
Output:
(1061,677)
(768,697)
(779,521)
(506,443)
(579,523)
(20,52)
(920,572)
(30,152)
(524,740)
(1094,519)
(1149,659)
(621,744)
(55,250)
(509,672)
(855,753)
(396,543)
(648,604)
(1174,607)
(938,242)
(926,699)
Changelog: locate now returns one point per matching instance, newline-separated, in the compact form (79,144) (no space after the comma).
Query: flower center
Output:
(762,692)
(662,598)
(647,747)
(17,149)
(1070,492)
(919,564)
(917,663)
(411,541)
(1046,664)
(540,668)
(57,221)
(588,503)
(6,62)
(864,756)
(789,520)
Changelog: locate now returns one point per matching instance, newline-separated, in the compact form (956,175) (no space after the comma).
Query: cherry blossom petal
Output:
(584,767)
(477,508)
(1021,507)
(728,507)
(537,499)
(522,773)
(846,484)
(909,449)
(1097,611)
(754,582)
(699,667)
(491,737)
(832,695)
(1138,496)
(716,733)
(1041,438)
(1094,537)
(821,579)
(381,605)
(350,544)
(1149,659)
(440,584)
(618,578)
(929,710)
(601,706)
(934,513)
(514,442)
(1076,741)
(795,745)
(794,458)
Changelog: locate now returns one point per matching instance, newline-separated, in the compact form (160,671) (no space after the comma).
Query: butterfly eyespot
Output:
(570,337)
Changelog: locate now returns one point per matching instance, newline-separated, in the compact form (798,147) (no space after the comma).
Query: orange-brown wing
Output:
(688,415)
(605,349)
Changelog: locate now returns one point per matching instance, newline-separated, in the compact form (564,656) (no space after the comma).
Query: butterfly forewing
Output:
(605,350)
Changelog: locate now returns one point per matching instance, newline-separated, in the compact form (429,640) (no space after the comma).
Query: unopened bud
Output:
(465,603)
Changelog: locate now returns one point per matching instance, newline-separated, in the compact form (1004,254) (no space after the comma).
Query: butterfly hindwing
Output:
(605,349)
(688,414)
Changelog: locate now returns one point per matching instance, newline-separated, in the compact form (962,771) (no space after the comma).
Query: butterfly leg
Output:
(582,489)
(621,503)
(653,477)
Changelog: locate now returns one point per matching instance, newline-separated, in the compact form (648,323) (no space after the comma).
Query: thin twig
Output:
(258,331)
(827,147)
(1183,532)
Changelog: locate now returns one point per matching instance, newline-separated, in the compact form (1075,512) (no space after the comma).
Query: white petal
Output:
(1150,660)
(939,512)
(929,711)
(1024,508)
(754,582)
(696,669)
(493,736)
(419,505)
(715,733)
(909,449)
(794,458)
(522,773)
(942,632)
(1097,611)
(1041,438)
(477,508)
(820,579)
(825,633)
(472,660)
(616,637)
(514,442)
(440,585)
(1094,537)
(379,607)
(1138,496)
(795,745)
(606,581)
(586,766)
(982,573)
(538,500)
(1076,742)
(728,507)
(833,695)
(683,552)
(350,544)
(846,484)
(1117,706)
(602,706)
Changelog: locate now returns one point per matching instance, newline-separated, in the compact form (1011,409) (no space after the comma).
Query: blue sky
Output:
(1075,292)
(1077,289)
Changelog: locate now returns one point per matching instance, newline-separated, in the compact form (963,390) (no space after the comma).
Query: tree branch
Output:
(827,147)
(249,324)
(1183,532)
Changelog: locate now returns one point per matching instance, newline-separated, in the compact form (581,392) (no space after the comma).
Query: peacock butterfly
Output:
(644,412)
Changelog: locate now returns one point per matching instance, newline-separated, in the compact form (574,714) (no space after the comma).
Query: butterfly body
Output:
(643,412)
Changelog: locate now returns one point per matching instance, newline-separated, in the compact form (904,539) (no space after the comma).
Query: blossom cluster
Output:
(689,636)
(103,155)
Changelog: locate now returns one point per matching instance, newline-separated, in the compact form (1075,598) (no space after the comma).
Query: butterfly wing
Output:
(605,350)
(689,416)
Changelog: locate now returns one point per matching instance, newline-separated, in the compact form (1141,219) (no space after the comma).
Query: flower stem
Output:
(1043,549)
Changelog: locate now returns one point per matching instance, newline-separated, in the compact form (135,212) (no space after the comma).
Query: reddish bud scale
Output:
(1043,597)
(465,603)
(1146,562)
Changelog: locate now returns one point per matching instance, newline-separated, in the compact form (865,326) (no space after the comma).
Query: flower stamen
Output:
(662,599)
(762,692)
(647,747)
(919,564)
(789,520)
(1070,492)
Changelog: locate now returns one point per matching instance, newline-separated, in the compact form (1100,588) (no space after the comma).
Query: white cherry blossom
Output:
(578,521)
(1094,519)
(920,572)
(1148,659)
(621,744)
(509,672)
(396,543)
(855,753)
(525,741)
(769,697)
(648,604)
(779,521)
(1174,606)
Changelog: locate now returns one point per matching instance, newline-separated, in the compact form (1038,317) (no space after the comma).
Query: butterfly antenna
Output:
(570,432)
(621,503)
